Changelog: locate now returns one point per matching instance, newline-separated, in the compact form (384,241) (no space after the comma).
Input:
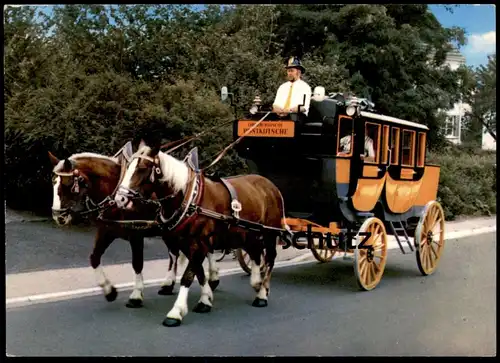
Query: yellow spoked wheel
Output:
(429,238)
(323,255)
(370,259)
(245,261)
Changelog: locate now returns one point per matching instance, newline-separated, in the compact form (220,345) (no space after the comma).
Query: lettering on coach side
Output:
(326,239)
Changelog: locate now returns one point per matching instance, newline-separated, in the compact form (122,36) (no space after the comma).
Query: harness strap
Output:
(108,201)
(184,213)
(235,204)
(189,207)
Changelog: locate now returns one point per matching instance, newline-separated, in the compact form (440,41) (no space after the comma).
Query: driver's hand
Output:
(294,109)
(282,112)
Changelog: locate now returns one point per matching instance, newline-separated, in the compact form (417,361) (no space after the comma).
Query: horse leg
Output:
(205,303)
(167,288)
(254,252)
(263,293)
(213,272)
(102,241)
(180,308)
(136,298)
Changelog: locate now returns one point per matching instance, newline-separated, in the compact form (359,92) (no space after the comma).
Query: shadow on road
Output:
(339,274)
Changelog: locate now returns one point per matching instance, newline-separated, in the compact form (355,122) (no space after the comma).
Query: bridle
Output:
(134,195)
(155,177)
(193,192)
(90,205)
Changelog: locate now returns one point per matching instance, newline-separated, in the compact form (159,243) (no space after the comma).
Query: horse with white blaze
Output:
(183,190)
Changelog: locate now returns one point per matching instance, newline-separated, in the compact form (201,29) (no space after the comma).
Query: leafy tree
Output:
(481,95)
(394,53)
(91,77)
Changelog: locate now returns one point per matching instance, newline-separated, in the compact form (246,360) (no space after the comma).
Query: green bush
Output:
(104,75)
(467,184)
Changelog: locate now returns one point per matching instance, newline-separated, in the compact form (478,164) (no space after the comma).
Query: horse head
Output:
(151,171)
(78,180)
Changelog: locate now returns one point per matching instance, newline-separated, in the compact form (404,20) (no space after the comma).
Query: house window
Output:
(452,126)
(408,154)
(345,136)
(395,146)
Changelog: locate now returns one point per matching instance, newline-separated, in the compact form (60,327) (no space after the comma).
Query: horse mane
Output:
(175,172)
(87,161)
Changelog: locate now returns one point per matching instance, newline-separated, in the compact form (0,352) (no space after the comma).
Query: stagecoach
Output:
(342,171)
(332,186)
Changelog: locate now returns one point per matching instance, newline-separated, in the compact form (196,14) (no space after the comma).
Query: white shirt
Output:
(345,145)
(300,88)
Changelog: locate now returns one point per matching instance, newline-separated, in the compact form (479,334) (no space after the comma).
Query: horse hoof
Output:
(134,303)
(166,290)
(170,322)
(202,308)
(112,294)
(213,284)
(259,303)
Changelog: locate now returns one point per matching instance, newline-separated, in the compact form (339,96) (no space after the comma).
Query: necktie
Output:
(287,103)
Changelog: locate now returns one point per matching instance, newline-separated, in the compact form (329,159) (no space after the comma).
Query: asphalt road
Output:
(38,246)
(314,309)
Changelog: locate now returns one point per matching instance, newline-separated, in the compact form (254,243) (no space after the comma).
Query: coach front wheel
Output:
(370,253)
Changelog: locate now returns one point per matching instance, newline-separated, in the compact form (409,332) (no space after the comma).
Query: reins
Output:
(231,145)
(188,139)
(178,144)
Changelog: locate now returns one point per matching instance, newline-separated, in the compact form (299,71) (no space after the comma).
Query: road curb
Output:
(304,258)
(128,286)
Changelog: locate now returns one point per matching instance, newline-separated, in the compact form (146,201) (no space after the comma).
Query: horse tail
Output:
(283,221)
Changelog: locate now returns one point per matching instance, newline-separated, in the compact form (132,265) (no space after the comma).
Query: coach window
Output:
(395,146)
(408,152)
(345,136)
(372,142)
(385,144)
(421,149)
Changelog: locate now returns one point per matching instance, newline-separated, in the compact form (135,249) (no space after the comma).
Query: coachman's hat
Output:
(294,62)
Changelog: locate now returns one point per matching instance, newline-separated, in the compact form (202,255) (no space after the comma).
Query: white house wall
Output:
(489,142)
(455,60)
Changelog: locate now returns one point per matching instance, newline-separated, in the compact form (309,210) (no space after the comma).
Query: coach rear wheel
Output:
(371,257)
(245,261)
(429,238)
(323,255)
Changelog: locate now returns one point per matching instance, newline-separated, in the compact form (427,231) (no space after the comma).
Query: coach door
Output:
(372,146)
(406,168)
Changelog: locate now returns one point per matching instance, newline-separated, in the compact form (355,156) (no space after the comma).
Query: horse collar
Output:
(186,212)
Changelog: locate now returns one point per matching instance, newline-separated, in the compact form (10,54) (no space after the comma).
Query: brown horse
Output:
(183,189)
(82,184)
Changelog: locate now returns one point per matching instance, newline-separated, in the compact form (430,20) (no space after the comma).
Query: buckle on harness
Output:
(236,207)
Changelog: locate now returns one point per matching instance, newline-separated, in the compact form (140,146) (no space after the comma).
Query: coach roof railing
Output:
(392,119)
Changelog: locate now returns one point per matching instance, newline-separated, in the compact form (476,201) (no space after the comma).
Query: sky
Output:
(479,23)
(478,20)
